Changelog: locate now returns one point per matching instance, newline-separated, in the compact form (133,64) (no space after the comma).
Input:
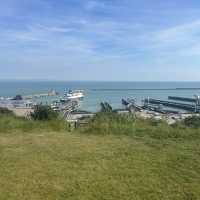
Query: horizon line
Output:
(62,80)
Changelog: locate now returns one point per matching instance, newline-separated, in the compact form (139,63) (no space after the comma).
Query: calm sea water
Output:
(97,92)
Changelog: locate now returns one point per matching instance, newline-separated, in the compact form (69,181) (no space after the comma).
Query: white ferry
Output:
(74,95)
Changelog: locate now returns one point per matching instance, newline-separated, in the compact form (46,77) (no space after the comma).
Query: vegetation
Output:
(9,123)
(42,112)
(117,157)
(5,111)
(107,123)
(126,124)
(193,122)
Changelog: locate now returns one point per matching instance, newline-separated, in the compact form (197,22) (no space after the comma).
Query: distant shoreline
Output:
(132,89)
(97,81)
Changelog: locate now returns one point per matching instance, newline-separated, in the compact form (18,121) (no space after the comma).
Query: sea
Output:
(97,92)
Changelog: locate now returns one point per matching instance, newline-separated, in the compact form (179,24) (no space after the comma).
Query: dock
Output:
(183,106)
(185,99)
(50,93)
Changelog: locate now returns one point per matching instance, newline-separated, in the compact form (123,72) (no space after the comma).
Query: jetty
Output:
(183,106)
(50,93)
(185,99)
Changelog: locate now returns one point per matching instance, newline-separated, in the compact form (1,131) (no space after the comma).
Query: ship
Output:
(74,95)
(72,98)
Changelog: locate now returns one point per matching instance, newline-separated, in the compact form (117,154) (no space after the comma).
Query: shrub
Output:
(42,112)
(193,121)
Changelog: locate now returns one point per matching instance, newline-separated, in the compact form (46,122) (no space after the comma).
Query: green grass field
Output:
(48,164)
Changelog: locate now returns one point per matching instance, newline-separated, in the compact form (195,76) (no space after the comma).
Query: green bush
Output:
(193,121)
(42,112)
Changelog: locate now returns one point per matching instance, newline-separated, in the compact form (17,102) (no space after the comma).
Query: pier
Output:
(183,106)
(51,93)
(185,99)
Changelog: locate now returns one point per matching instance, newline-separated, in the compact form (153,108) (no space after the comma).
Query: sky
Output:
(112,40)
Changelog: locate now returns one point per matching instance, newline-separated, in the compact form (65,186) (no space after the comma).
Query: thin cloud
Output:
(95,33)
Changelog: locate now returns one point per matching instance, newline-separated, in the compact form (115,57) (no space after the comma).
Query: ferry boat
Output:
(74,95)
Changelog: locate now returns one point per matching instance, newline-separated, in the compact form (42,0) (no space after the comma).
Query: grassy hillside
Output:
(136,165)
(12,124)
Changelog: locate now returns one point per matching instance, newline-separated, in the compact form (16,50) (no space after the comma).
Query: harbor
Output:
(69,105)
(182,106)
(64,105)
(170,111)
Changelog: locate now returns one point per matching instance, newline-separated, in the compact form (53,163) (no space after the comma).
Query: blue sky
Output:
(127,40)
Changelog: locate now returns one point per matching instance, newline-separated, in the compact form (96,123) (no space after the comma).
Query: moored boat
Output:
(74,95)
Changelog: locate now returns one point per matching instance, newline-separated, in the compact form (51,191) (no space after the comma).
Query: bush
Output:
(193,122)
(43,113)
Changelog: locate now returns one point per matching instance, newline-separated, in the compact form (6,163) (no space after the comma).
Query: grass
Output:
(136,164)
(115,124)
(11,124)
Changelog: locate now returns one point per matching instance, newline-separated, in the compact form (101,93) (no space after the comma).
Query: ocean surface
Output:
(96,92)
